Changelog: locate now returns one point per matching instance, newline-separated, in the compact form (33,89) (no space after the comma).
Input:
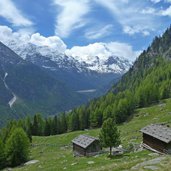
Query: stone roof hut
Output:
(85,145)
(157,137)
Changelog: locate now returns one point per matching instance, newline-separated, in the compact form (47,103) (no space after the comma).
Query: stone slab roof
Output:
(84,140)
(158,131)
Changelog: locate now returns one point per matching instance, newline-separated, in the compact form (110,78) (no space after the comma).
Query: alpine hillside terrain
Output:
(28,89)
(79,73)
(146,82)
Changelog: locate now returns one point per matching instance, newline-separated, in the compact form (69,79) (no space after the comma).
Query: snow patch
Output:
(13,100)
(86,91)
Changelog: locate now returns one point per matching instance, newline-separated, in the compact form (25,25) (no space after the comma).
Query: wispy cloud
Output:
(131,30)
(149,10)
(135,17)
(157,1)
(71,15)
(131,15)
(12,14)
(97,33)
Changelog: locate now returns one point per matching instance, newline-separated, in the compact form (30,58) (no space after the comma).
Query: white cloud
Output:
(149,10)
(135,17)
(54,44)
(135,29)
(103,51)
(17,40)
(97,33)
(132,16)
(51,42)
(9,11)
(71,15)
(166,12)
(155,1)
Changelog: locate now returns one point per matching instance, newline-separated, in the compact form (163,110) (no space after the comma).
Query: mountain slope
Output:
(160,48)
(27,89)
(57,155)
(77,72)
(147,82)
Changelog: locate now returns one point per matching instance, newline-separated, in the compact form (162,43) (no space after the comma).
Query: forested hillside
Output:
(150,58)
(147,82)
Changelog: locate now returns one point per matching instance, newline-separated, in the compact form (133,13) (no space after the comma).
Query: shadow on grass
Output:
(117,156)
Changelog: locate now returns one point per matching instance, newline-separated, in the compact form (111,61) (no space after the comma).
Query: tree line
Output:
(154,86)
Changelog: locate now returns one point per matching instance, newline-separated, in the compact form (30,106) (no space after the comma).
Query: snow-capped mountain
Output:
(83,72)
(101,63)
(100,57)
(95,66)
(97,57)
(107,64)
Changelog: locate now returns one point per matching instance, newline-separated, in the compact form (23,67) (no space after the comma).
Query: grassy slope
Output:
(55,152)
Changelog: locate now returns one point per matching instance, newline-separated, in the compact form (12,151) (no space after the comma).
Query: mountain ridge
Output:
(102,63)
(75,73)
(27,89)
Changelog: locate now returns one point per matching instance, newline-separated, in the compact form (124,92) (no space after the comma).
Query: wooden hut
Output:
(85,145)
(157,137)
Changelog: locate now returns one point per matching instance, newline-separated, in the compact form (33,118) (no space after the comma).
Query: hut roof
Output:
(158,131)
(84,140)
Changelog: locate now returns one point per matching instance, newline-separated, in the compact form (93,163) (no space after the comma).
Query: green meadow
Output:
(54,153)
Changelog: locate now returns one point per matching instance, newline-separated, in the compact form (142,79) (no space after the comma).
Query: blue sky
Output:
(83,22)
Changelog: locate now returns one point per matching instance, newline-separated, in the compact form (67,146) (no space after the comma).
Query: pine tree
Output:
(35,126)
(93,120)
(17,147)
(109,134)
(38,125)
(75,125)
(55,126)
(64,126)
(2,155)
(27,128)
(47,130)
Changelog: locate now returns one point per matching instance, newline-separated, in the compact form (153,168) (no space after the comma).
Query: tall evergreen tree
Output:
(47,130)
(55,126)
(17,147)
(75,125)
(38,125)
(35,126)
(27,128)
(2,155)
(109,134)
(64,126)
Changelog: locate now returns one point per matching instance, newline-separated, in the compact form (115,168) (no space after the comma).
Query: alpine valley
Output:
(85,85)
(40,79)
(141,97)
